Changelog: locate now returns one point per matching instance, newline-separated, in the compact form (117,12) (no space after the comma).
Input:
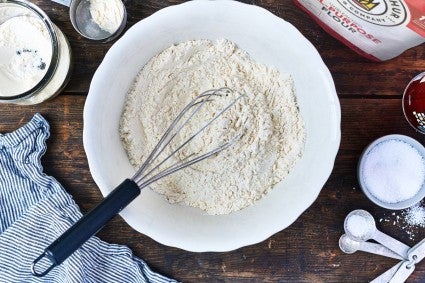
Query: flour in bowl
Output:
(273,132)
(108,15)
(25,53)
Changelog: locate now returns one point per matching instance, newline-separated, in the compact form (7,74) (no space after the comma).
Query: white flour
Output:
(273,138)
(107,14)
(25,54)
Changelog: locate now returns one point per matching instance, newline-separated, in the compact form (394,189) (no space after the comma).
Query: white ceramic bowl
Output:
(269,40)
(360,173)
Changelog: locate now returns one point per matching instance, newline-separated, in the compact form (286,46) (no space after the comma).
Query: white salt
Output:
(410,220)
(415,216)
(393,171)
(357,225)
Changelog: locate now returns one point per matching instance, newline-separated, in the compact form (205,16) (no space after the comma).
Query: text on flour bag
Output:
(377,29)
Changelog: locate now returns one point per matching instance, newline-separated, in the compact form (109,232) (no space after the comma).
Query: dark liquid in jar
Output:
(414,102)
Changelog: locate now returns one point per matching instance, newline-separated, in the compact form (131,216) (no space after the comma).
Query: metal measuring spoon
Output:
(388,275)
(371,232)
(81,19)
(349,246)
(402,270)
(415,255)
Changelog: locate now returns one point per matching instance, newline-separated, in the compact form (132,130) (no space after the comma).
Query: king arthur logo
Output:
(378,12)
(366,4)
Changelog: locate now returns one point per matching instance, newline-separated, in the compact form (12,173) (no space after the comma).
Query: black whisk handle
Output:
(87,226)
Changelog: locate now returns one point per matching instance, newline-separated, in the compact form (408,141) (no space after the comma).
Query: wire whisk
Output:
(150,171)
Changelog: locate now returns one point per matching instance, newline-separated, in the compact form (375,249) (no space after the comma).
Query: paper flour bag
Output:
(377,29)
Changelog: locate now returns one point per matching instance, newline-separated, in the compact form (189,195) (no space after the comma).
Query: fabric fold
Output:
(35,210)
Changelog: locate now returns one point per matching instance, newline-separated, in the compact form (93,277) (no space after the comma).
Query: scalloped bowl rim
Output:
(270,40)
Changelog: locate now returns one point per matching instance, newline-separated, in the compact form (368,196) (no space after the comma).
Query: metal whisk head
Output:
(145,174)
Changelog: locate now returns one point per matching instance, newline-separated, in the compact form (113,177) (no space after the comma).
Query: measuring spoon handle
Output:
(404,271)
(378,249)
(391,243)
(387,275)
(417,253)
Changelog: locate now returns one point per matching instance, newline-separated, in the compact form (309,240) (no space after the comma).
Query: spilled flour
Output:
(273,132)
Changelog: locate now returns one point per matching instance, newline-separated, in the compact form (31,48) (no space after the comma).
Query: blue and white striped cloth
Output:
(35,210)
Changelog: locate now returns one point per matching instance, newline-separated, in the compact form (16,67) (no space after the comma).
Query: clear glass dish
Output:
(414,103)
(56,75)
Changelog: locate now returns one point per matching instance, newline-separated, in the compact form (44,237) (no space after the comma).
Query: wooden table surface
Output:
(370,96)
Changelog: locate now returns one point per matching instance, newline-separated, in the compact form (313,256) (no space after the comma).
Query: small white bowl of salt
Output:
(391,172)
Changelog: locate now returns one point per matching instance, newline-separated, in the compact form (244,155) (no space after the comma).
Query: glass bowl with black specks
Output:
(56,68)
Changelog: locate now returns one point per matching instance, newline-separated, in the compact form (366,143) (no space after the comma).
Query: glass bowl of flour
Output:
(34,54)
(172,55)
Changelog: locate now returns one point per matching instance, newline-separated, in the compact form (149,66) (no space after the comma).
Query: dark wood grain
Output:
(337,56)
(308,250)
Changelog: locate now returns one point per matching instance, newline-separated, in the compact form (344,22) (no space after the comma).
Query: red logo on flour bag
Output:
(377,29)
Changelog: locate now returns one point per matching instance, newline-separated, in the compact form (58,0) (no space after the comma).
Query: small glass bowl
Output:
(53,81)
(414,103)
(397,205)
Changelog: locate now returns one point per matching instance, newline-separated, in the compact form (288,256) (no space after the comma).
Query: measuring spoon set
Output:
(353,241)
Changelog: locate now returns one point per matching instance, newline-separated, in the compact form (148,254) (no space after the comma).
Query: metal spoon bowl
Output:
(373,233)
(350,246)
(371,226)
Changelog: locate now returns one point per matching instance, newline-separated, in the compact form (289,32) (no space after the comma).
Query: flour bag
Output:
(377,29)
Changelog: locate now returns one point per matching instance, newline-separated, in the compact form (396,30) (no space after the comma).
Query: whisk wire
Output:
(166,134)
(179,165)
(190,139)
(140,178)
(162,144)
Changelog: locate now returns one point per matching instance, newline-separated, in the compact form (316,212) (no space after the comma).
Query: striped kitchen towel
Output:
(35,210)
